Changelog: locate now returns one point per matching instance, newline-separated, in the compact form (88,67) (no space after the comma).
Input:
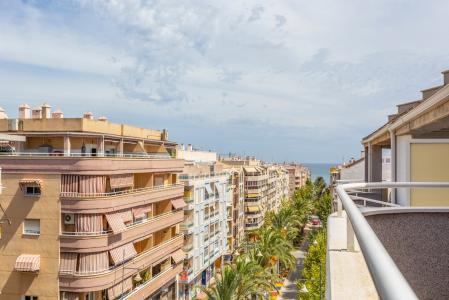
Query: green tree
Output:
(314,272)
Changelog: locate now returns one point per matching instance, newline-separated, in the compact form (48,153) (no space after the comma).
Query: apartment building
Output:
(235,210)
(95,209)
(206,192)
(298,176)
(405,238)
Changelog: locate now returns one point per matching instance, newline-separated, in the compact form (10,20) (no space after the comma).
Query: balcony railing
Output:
(140,256)
(119,193)
(202,176)
(389,281)
(128,227)
(79,154)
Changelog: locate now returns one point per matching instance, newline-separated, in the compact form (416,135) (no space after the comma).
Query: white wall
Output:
(196,156)
(354,172)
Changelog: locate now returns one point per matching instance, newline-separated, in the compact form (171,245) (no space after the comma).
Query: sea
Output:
(320,170)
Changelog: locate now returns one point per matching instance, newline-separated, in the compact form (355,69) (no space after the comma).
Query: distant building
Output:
(298,176)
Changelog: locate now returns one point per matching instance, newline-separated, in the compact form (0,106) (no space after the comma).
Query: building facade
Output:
(207,194)
(298,176)
(95,210)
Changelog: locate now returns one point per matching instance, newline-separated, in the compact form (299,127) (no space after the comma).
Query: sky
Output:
(290,80)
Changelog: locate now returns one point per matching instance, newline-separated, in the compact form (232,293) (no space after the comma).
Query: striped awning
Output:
(121,180)
(29,182)
(116,222)
(116,290)
(123,253)
(178,256)
(139,211)
(28,263)
(67,263)
(178,203)
(126,215)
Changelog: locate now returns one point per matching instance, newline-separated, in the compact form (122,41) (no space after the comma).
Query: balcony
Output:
(389,251)
(82,282)
(105,241)
(145,290)
(253,226)
(107,202)
(87,165)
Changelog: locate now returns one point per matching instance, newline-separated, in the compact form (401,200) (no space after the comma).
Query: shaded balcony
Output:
(383,250)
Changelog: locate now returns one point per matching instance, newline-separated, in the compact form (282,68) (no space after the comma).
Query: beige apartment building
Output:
(298,176)
(265,186)
(95,209)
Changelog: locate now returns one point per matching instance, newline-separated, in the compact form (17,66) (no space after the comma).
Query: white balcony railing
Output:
(119,193)
(79,154)
(390,283)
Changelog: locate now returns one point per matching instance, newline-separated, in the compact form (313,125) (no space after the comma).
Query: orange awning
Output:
(28,263)
(178,256)
(115,220)
(123,253)
(178,203)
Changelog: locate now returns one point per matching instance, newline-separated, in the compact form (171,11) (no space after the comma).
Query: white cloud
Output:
(300,65)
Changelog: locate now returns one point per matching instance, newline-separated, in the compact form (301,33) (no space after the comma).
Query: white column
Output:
(393,164)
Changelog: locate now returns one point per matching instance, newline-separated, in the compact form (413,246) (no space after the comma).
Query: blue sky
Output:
(283,80)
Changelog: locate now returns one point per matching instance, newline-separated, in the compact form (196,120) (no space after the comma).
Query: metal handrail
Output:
(119,193)
(388,279)
(133,225)
(79,154)
(120,265)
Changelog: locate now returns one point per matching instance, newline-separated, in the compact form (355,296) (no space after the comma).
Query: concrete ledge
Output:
(347,275)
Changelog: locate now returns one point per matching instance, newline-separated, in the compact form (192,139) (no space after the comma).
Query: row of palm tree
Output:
(260,261)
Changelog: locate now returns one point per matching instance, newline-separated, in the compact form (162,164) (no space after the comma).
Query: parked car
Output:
(315,220)
(7,149)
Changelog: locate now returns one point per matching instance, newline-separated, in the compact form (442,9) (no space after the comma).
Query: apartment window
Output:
(32,191)
(30,298)
(32,226)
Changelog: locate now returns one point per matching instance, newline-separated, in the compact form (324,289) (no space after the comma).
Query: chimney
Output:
(46,114)
(103,119)
(3,114)
(57,114)
(24,111)
(88,115)
(445,76)
(36,113)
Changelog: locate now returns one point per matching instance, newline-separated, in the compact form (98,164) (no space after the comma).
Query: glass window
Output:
(30,298)
(32,226)
(32,191)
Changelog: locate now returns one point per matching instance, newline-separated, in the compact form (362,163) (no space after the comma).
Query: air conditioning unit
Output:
(69,219)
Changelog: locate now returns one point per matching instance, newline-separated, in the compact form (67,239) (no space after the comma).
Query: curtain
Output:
(88,223)
(69,183)
(92,184)
(67,263)
(93,262)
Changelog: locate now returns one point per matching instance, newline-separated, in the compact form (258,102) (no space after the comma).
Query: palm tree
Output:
(273,248)
(286,222)
(241,280)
